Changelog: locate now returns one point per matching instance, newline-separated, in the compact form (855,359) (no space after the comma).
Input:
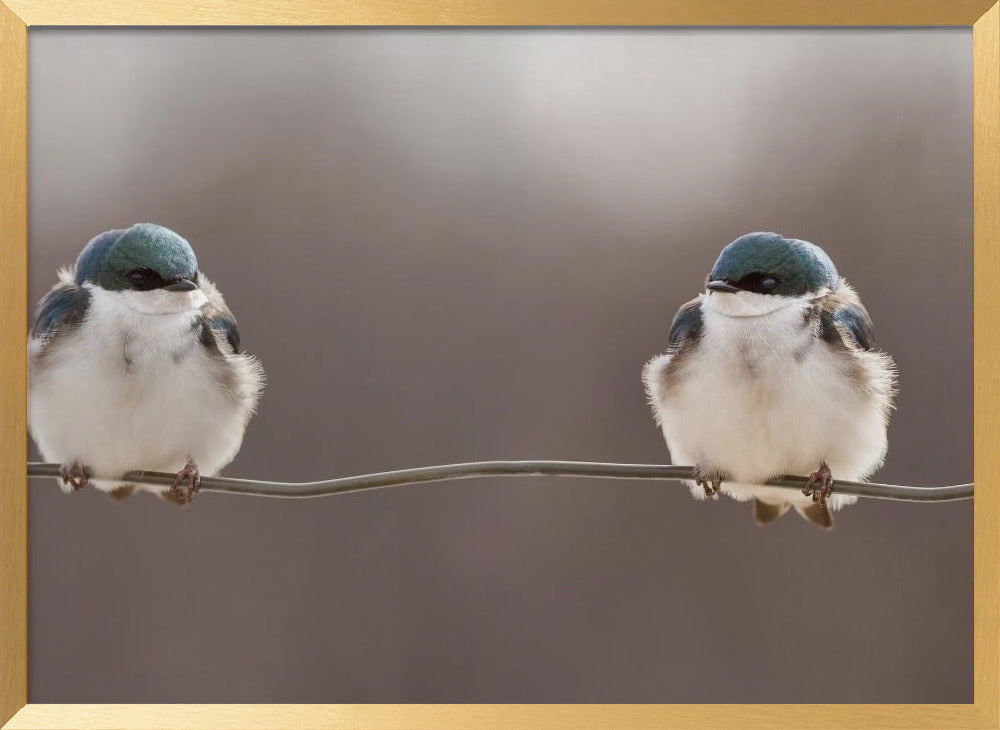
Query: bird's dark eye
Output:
(144,279)
(758,283)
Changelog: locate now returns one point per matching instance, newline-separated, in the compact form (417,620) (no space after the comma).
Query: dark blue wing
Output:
(225,325)
(854,320)
(65,306)
(220,324)
(687,324)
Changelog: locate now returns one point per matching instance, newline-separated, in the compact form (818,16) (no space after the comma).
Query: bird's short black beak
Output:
(719,285)
(181,285)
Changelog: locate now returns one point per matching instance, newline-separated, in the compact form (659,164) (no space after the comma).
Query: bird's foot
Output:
(820,484)
(708,479)
(184,493)
(75,474)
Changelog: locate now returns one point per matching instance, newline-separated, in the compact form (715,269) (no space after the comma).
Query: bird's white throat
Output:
(156,301)
(748,304)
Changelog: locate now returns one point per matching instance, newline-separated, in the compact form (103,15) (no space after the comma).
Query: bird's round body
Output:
(147,377)
(756,384)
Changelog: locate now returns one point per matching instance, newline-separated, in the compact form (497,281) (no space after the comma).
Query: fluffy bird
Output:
(134,363)
(773,370)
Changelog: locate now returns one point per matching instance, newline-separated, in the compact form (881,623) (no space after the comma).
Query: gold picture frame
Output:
(16,16)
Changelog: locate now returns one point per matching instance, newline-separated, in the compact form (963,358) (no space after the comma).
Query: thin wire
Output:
(478,469)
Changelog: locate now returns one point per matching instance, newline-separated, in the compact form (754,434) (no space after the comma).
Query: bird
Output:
(771,370)
(134,363)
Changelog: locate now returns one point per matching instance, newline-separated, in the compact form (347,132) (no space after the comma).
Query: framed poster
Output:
(451,244)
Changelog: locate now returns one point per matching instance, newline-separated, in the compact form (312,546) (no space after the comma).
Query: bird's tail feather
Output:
(818,514)
(763,512)
(171,498)
(123,492)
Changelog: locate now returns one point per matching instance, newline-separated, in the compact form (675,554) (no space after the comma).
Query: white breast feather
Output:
(743,403)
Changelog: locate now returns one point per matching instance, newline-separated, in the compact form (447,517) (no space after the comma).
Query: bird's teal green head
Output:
(768,263)
(141,258)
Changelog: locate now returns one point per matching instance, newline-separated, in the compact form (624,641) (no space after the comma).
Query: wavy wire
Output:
(479,469)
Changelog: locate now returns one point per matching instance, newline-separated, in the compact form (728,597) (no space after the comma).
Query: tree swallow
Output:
(773,370)
(134,363)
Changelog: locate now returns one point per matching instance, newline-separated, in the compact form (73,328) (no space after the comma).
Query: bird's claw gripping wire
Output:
(77,475)
(708,479)
(820,484)
(185,493)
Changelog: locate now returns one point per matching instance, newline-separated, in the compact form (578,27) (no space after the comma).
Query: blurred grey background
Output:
(452,245)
